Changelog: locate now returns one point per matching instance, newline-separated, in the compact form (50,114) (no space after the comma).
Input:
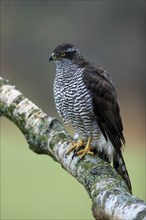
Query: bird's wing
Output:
(105,105)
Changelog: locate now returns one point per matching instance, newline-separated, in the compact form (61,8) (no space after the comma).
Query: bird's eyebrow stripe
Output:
(71,49)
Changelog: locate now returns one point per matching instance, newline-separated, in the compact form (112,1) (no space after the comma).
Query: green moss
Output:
(63,136)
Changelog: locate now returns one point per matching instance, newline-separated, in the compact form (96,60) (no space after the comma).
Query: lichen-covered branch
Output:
(45,135)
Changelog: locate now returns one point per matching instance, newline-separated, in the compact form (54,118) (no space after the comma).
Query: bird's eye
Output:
(62,54)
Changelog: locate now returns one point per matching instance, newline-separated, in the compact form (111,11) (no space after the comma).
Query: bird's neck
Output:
(65,69)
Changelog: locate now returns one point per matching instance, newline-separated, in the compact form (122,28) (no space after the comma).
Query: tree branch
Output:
(46,135)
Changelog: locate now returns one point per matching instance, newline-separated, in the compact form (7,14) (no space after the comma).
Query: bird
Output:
(86,98)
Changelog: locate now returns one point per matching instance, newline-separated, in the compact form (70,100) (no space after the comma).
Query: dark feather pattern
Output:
(107,113)
(105,104)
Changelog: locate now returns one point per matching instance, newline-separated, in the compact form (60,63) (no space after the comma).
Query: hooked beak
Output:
(52,57)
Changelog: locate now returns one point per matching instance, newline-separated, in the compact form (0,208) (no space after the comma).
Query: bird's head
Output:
(64,51)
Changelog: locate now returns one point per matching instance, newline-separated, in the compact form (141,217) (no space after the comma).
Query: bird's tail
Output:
(119,165)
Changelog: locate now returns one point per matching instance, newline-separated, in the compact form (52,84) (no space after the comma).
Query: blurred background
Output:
(110,33)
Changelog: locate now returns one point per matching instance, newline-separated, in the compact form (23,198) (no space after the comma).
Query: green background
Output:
(110,33)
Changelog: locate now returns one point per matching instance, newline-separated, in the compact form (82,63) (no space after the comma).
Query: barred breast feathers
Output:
(65,88)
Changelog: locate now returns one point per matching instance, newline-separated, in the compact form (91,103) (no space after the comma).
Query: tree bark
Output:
(46,135)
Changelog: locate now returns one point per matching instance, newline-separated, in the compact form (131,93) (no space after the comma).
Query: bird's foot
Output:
(75,146)
(86,150)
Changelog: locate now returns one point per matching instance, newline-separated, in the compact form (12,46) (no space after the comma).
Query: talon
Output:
(86,150)
(75,146)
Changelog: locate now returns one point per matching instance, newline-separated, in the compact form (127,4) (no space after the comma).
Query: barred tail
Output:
(119,165)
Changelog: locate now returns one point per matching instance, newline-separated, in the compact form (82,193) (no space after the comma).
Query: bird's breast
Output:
(72,98)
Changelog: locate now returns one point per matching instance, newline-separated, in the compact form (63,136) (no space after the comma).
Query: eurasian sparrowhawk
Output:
(85,97)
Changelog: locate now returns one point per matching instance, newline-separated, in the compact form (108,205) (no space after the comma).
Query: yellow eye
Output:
(62,54)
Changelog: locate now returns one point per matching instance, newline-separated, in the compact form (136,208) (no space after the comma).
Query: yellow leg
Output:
(86,150)
(75,146)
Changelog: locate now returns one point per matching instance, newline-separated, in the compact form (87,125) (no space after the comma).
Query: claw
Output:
(75,146)
(86,150)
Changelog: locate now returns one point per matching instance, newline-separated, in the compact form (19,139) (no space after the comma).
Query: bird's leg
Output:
(75,146)
(86,150)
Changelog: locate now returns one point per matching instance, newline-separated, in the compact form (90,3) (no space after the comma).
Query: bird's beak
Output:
(52,57)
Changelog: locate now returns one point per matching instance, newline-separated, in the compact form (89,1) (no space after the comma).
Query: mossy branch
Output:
(46,135)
